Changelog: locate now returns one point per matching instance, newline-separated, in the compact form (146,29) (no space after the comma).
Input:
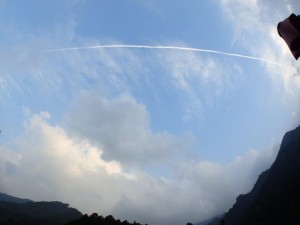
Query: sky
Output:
(159,136)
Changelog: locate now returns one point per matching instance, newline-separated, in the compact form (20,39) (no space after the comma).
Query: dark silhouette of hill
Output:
(8,198)
(17,211)
(94,219)
(36,213)
(275,197)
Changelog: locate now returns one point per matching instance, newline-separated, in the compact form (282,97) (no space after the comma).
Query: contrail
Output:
(167,47)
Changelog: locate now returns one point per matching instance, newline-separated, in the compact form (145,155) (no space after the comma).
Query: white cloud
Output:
(199,80)
(246,11)
(55,78)
(51,165)
(48,163)
(252,21)
(121,127)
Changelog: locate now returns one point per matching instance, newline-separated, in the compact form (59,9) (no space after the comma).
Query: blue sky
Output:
(160,136)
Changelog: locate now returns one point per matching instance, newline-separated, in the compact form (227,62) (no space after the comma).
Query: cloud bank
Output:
(97,167)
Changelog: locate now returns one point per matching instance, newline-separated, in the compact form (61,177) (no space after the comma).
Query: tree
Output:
(110,219)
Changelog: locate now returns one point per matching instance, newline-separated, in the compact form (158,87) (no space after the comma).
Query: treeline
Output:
(95,219)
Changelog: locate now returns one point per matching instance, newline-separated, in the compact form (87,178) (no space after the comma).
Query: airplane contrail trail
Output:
(167,47)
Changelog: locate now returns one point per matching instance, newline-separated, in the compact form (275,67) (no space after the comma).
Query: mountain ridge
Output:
(9,198)
(275,197)
(14,210)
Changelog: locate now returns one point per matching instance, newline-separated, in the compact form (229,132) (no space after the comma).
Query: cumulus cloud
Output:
(50,161)
(89,171)
(121,127)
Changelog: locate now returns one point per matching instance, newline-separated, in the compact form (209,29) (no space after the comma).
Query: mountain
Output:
(8,198)
(14,210)
(17,211)
(275,197)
